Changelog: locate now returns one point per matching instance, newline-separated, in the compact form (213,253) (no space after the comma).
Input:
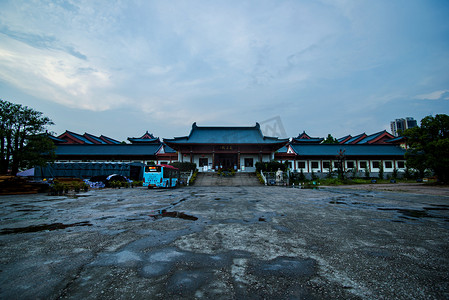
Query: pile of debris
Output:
(13,185)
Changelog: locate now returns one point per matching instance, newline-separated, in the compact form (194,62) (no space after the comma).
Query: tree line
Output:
(23,140)
(428,147)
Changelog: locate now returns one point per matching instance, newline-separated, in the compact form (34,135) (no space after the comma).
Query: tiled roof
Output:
(55,139)
(169,149)
(305,138)
(139,140)
(225,135)
(146,138)
(308,141)
(283,150)
(374,136)
(350,150)
(396,139)
(70,137)
(109,140)
(79,137)
(355,138)
(344,139)
(96,139)
(107,150)
(303,135)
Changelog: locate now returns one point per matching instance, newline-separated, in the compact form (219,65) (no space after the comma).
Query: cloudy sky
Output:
(120,68)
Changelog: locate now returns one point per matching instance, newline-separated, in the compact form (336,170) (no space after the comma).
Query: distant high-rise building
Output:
(402,124)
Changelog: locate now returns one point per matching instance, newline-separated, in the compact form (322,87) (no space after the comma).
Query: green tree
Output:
(429,146)
(366,171)
(381,170)
(271,166)
(330,140)
(341,158)
(22,139)
(184,166)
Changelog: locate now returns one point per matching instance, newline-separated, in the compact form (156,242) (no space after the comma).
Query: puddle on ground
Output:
(284,267)
(437,207)
(187,282)
(338,202)
(173,214)
(414,214)
(281,228)
(42,227)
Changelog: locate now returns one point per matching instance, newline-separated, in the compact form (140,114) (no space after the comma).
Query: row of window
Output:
(352,164)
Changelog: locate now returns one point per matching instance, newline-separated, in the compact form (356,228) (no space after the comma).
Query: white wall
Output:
(308,165)
(242,162)
(196,160)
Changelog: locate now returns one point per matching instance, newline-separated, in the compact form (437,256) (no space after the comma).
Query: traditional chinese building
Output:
(361,152)
(226,147)
(74,147)
(239,148)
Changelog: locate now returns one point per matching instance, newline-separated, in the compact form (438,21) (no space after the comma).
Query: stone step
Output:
(239,179)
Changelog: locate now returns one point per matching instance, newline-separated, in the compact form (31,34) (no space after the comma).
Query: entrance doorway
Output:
(225,161)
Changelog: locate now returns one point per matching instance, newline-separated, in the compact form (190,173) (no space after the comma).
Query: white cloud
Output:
(437,95)
(57,76)
(223,62)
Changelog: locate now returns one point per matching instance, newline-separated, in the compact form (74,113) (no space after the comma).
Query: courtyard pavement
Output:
(225,243)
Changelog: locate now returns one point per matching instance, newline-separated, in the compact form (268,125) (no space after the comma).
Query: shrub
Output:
(381,171)
(192,179)
(359,181)
(259,176)
(271,166)
(136,183)
(301,176)
(366,172)
(407,173)
(184,166)
(330,173)
(394,175)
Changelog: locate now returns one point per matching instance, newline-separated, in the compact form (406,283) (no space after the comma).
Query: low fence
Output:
(184,177)
(85,170)
(271,178)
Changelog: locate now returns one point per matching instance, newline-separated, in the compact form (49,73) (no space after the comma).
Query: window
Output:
(376,164)
(249,163)
(350,164)
(289,164)
(401,164)
(152,169)
(388,165)
(301,164)
(362,164)
(314,165)
(326,164)
(203,161)
(163,163)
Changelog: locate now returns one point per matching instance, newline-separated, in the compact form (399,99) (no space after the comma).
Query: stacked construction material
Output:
(12,185)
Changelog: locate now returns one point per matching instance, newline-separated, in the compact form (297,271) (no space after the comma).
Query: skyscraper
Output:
(402,124)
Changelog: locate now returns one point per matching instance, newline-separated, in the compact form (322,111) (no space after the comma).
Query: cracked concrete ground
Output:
(247,243)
